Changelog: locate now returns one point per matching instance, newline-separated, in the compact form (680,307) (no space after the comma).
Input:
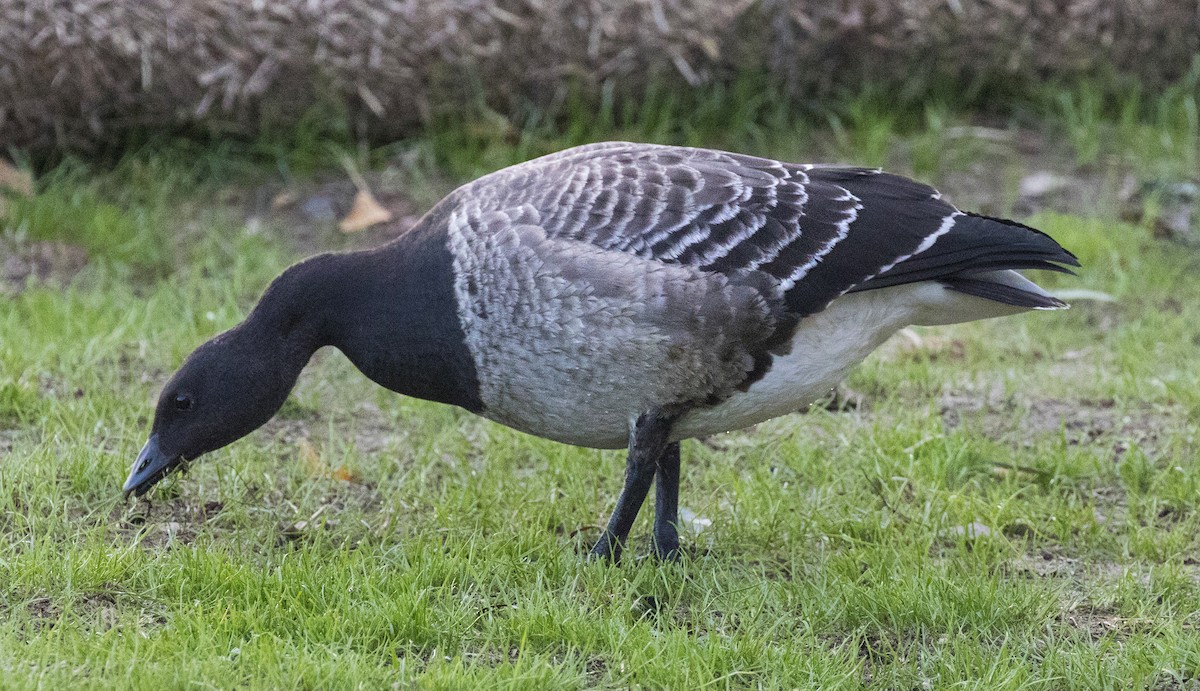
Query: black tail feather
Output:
(999,292)
(979,243)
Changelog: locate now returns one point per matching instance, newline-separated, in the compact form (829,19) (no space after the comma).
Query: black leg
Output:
(646,445)
(666,505)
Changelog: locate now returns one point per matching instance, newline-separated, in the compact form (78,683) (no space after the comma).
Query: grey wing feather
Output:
(680,336)
(819,231)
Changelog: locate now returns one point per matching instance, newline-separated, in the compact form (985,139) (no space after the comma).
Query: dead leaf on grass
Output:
(364,213)
(318,468)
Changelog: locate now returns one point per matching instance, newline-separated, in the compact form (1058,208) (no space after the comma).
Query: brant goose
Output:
(617,295)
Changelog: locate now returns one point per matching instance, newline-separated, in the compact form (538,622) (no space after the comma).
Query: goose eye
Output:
(183,402)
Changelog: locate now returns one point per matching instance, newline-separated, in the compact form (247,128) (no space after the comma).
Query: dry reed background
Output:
(76,74)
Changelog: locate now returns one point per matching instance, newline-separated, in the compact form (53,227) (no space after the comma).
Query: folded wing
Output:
(818,231)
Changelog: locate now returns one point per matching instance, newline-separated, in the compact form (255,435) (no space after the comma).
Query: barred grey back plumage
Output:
(820,231)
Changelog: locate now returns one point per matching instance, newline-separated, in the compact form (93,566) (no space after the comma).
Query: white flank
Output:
(831,342)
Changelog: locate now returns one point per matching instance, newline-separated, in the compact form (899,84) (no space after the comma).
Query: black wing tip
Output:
(976,243)
(1064,255)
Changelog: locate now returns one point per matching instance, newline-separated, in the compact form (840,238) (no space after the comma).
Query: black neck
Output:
(390,310)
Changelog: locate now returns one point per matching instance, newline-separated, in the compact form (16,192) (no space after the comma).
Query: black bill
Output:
(150,467)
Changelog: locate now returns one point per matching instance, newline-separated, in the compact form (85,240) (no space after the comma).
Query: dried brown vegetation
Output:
(74,75)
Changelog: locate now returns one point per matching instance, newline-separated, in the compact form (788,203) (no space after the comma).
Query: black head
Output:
(226,389)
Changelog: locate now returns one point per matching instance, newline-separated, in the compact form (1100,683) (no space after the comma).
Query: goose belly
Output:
(593,402)
(825,347)
(595,408)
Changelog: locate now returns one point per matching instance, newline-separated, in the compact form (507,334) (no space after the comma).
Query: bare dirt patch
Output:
(1081,421)
(1077,610)
(99,608)
(163,523)
(50,262)
(1166,682)
(1101,622)
(43,610)
(1051,563)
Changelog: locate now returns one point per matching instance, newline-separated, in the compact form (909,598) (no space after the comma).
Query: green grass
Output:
(838,553)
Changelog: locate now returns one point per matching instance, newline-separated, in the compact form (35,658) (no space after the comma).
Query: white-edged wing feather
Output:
(820,231)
